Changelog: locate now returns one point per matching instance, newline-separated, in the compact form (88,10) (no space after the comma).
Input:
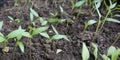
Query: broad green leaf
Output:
(44,34)
(55,30)
(34,12)
(11,18)
(39,30)
(85,52)
(26,34)
(95,51)
(57,37)
(21,46)
(79,3)
(31,17)
(44,23)
(1,24)
(91,22)
(111,50)
(104,57)
(112,6)
(1,39)
(116,54)
(20,31)
(12,34)
(113,20)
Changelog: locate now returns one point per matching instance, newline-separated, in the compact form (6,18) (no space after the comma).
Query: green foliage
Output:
(21,46)
(112,20)
(1,24)
(14,20)
(85,52)
(95,50)
(79,3)
(34,12)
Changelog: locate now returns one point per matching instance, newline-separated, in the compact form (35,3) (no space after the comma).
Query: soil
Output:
(41,50)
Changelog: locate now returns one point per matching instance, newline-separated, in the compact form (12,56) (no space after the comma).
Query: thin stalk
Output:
(96,32)
(105,19)
(85,29)
(14,52)
(116,39)
(30,48)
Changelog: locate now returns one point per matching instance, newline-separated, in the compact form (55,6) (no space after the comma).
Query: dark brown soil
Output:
(41,50)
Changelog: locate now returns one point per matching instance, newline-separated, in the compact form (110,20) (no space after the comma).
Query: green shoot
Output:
(15,20)
(90,22)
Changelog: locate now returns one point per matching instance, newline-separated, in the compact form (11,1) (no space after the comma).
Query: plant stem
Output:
(96,32)
(30,48)
(116,39)
(105,19)
(14,52)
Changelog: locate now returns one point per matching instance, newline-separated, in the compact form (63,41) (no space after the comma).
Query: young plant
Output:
(112,52)
(79,4)
(90,22)
(109,10)
(57,36)
(15,20)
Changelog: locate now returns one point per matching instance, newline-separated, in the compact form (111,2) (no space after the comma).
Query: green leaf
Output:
(11,18)
(1,35)
(34,12)
(85,52)
(20,31)
(117,15)
(113,20)
(55,30)
(79,3)
(115,55)
(111,50)
(44,34)
(39,30)
(31,17)
(16,33)
(61,9)
(12,34)
(53,20)
(95,50)
(104,57)
(57,37)
(91,22)
(1,39)
(26,34)
(21,46)
(1,24)
(112,6)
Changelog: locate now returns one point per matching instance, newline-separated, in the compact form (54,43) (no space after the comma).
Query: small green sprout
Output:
(90,22)
(15,20)
(57,36)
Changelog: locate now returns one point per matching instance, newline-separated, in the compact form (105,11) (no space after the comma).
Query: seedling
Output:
(90,22)
(57,36)
(109,10)
(15,20)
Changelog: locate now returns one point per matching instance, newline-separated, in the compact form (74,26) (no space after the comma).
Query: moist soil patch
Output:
(41,50)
